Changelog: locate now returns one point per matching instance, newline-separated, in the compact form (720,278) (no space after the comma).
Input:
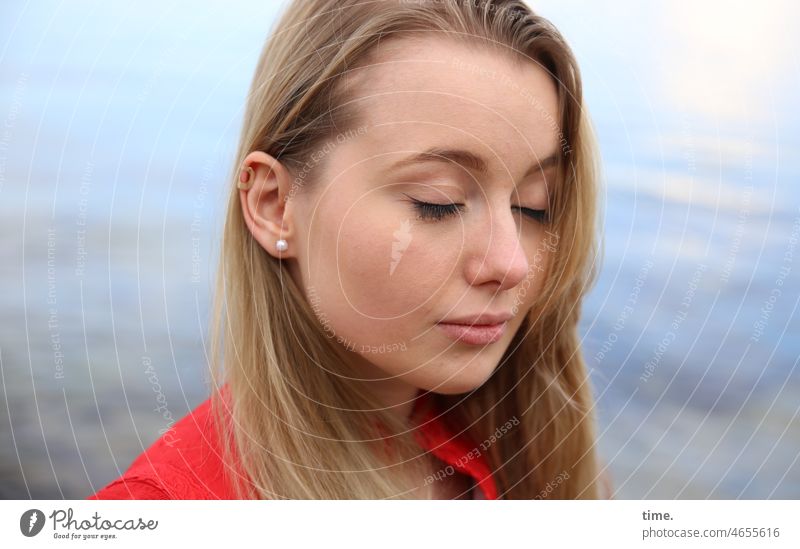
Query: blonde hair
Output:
(294,425)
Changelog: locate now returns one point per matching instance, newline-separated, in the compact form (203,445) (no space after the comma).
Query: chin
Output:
(464,381)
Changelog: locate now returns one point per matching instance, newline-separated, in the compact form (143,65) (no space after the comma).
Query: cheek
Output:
(374,277)
(390,266)
(370,274)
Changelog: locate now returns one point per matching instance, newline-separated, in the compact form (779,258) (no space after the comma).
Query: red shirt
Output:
(186,462)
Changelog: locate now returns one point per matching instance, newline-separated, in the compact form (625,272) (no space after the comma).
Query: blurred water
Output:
(116,134)
(692,330)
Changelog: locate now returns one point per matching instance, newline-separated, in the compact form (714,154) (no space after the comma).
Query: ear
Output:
(265,208)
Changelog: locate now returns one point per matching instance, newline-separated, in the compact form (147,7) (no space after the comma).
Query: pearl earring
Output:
(282,245)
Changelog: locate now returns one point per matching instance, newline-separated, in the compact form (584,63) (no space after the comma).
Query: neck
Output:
(397,396)
(394,393)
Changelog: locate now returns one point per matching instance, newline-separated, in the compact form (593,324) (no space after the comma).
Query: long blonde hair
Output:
(293,427)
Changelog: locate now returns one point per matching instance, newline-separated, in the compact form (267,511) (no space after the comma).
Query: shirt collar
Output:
(457,450)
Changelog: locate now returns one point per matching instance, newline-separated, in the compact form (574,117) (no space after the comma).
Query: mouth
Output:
(474,334)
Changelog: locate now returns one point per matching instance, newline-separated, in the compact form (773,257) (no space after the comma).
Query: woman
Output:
(410,232)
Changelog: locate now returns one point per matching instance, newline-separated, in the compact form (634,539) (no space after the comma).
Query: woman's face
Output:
(382,272)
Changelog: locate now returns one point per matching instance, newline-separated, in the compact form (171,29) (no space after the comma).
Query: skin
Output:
(424,93)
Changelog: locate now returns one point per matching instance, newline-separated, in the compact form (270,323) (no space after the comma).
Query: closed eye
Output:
(538,215)
(438,212)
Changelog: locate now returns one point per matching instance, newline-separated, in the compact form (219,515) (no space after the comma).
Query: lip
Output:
(476,334)
(486,319)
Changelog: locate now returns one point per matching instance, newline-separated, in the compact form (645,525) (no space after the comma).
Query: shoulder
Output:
(186,462)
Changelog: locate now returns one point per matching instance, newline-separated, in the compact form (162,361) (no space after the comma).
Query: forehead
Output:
(423,92)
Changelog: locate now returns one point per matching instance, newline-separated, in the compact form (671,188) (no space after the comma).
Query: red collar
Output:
(456,450)
(186,462)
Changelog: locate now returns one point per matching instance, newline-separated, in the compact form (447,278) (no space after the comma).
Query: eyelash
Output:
(438,212)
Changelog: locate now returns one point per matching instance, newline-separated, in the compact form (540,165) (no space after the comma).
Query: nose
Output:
(496,254)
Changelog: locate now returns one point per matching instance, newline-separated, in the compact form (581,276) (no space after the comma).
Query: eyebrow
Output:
(466,159)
